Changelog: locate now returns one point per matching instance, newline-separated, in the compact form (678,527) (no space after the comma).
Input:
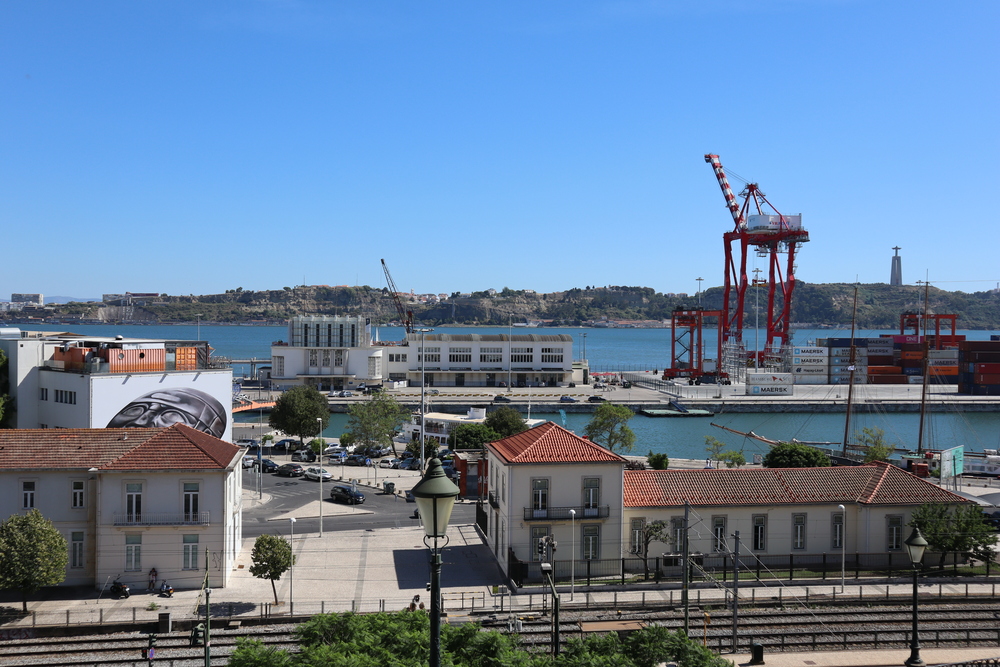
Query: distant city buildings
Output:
(32,299)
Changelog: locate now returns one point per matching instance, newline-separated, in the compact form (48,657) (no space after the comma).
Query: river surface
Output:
(631,349)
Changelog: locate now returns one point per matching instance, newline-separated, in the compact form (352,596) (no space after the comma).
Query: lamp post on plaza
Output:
(699,290)
(423,391)
(291,567)
(319,422)
(915,546)
(843,545)
(572,554)
(435,496)
(198,335)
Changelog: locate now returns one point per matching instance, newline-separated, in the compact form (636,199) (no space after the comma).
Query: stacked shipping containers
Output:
(979,368)
(844,368)
(810,365)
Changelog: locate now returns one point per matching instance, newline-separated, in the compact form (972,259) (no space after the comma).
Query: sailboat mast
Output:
(923,389)
(850,380)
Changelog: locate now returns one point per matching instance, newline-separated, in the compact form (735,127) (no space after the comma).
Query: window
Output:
(798,531)
(433,355)
(190,552)
(393,358)
(895,533)
(490,355)
(133,552)
(43,393)
(133,501)
(27,495)
(552,355)
(677,533)
(591,495)
(313,358)
(326,358)
(591,542)
(64,396)
(635,541)
(719,533)
(338,357)
(539,494)
(838,531)
(279,366)
(521,355)
(375,367)
(538,534)
(76,549)
(759,532)
(191,501)
(460,355)
(78,494)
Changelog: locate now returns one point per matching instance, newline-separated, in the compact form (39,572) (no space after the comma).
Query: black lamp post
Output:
(915,546)
(435,496)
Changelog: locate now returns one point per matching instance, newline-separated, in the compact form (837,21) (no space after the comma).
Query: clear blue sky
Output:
(193,147)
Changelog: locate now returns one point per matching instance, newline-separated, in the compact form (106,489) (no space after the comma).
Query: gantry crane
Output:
(405,316)
(770,235)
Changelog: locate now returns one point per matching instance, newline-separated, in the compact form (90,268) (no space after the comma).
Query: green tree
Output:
(658,461)
(471,436)
(654,531)
(732,459)
(874,441)
(794,455)
(714,447)
(33,554)
(955,529)
(272,557)
(4,387)
(609,427)
(296,411)
(252,652)
(506,421)
(374,422)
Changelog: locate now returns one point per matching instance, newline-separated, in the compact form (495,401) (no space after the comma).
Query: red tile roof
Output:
(551,443)
(875,484)
(171,448)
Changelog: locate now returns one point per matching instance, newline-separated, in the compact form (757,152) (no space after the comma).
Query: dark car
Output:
(267,465)
(290,470)
(567,399)
(501,399)
(304,455)
(345,494)
(596,399)
(287,443)
(355,460)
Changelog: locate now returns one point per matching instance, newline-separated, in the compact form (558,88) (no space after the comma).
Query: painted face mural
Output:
(166,407)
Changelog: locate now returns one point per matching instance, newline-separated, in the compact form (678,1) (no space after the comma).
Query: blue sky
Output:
(194,147)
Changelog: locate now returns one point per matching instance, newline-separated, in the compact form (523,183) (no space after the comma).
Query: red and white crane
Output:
(760,226)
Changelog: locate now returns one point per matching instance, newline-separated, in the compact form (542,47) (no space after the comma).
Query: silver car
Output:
(318,474)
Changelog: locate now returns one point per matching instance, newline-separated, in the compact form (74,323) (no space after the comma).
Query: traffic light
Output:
(198,635)
(541,548)
(150,650)
(152,640)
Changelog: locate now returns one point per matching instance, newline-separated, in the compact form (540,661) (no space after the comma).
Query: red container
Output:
(985,368)
(888,379)
(986,378)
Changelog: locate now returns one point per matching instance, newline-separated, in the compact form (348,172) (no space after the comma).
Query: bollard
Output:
(756,654)
(67,617)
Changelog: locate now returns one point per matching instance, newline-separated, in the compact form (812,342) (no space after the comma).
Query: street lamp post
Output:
(198,335)
(435,496)
(547,571)
(423,392)
(915,546)
(699,290)
(572,555)
(319,422)
(291,568)
(843,545)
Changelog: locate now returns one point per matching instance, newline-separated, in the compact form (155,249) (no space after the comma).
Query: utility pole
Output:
(685,582)
(736,591)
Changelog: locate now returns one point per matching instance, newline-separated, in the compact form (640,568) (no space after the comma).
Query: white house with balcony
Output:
(547,481)
(130,500)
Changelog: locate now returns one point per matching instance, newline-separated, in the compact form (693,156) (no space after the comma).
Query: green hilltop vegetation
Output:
(879,305)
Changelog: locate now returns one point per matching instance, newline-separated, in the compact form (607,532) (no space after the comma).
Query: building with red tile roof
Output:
(780,510)
(548,485)
(128,500)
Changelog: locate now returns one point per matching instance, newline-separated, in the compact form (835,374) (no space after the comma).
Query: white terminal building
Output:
(337,353)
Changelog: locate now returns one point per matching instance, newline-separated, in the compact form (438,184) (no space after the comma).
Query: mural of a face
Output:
(166,407)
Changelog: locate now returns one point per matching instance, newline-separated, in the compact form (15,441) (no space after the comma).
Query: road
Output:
(291,493)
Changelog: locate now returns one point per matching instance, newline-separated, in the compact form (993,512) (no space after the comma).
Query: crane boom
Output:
(405,316)
(727,192)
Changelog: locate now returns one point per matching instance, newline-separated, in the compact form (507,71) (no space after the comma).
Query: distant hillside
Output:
(879,306)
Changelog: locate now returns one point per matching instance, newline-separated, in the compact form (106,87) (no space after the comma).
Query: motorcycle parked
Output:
(118,589)
(166,590)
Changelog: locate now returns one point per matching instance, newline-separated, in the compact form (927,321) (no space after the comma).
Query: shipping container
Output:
(986,378)
(809,361)
(809,351)
(911,354)
(857,361)
(846,342)
(888,379)
(846,351)
(942,354)
(984,368)
(769,378)
(913,371)
(943,362)
(880,360)
(859,378)
(979,346)
(981,357)
(880,350)
(943,370)
(916,379)
(884,370)
(908,338)
(811,379)
(770,390)
(812,371)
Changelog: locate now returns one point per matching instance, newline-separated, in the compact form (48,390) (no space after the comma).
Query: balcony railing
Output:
(562,513)
(162,519)
(494,502)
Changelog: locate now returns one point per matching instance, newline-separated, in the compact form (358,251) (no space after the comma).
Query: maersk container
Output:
(942,354)
(770,390)
(942,362)
(846,351)
(858,361)
(811,379)
(769,379)
(809,351)
(859,378)
(809,361)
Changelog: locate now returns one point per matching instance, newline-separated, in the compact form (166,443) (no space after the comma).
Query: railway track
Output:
(777,630)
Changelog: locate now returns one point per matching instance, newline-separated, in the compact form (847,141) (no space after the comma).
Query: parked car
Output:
(267,465)
(433,392)
(567,399)
(345,494)
(287,443)
(346,394)
(596,399)
(248,461)
(388,463)
(317,474)
(337,458)
(411,464)
(304,455)
(355,460)
(290,470)
(500,399)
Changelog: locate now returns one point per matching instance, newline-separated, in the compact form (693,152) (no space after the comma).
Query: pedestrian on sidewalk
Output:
(152,580)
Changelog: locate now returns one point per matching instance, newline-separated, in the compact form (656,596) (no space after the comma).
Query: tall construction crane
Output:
(405,316)
(759,225)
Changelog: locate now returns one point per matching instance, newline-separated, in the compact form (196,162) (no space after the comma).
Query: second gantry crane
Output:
(758,225)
